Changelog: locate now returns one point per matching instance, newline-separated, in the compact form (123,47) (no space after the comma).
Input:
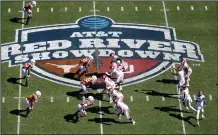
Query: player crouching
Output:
(110,86)
(85,82)
(30,102)
(82,106)
(26,70)
(28,10)
(83,66)
(122,108)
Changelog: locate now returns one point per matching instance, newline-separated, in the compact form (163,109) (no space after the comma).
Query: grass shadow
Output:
(14,80)
(71,118)
(168,81)
(155,93)
(17,20)
(170,109)
(187,119)
(18,112)
(105,120)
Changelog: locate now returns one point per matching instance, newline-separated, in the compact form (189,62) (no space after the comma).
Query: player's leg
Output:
(202,112)
(85,90)
(190,104)
(126,113)
(28,109)
(197,116)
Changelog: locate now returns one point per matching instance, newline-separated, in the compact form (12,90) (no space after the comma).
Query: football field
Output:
(153,102)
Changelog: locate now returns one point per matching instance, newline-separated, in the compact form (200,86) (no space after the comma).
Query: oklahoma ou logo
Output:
(146,49)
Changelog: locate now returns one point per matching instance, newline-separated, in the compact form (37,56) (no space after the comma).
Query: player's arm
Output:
(173,71)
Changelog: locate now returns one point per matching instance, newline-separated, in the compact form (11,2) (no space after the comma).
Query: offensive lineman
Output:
(81,112)
(30,102)
(28,10)
(110,86)
(201,103)
(26,70)
(123,108)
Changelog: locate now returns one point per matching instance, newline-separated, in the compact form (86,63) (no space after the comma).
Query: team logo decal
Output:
(57,49)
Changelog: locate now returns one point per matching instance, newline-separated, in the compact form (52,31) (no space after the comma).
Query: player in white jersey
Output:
(119,75)
(113,57)
(181,76)
(110,86)
(187,70)
(187,100)
(201,103)
(123,108)
(117,96)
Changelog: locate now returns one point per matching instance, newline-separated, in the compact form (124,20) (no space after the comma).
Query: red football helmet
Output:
(179,68)
(112,54)
(200,92)
(104,76)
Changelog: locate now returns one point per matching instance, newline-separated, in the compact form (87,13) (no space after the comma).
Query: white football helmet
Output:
(118,62)
(90,57)
(33,3)
(94,77)
(91,98)
(38,93)
(32,61)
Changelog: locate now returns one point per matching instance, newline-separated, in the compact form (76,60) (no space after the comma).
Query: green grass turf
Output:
(153,116)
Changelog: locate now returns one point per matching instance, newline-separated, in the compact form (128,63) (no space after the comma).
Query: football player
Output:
(123,108)
(110,86)
(82,107)
(30,101)
(180,72)
(113,57)
(28,10)
(83,65)
(85,82)
(26,70)
(201,103)
(187,100)
(187,70)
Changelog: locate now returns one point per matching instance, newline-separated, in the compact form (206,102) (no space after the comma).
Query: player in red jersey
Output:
(28,10)
(30,101)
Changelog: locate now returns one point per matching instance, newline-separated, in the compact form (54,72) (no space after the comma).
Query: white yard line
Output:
(131,98)
(147,98)
(180,107)
(100,112)
(20,81)
(150,8)
(210,97)
(108,8)
(80,9)
(52,9)
(52,99)
(99,91)
(65,9)
(3,99)
(178,8)
(68,99)
(205,7)
(192,8)
(163,98)
(122,9)
(194,97)
(9,10)
(136,8)
(37,9)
